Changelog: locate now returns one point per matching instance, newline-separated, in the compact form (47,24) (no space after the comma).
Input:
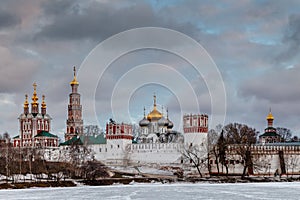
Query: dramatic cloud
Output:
(255,45)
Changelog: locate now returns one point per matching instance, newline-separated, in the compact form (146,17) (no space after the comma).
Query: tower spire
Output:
(270,119)
(44,106)
(43,102)
(26,107)
(144,112)
(34,96)
(34,103)
(74,81)
(167,113)
(154,101)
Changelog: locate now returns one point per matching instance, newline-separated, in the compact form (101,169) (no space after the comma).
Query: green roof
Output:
(45,134)
(270,134)
(85,140)
(16,137)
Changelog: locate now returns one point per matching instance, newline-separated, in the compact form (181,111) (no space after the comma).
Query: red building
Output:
(35,126)
(74,121)
(118,131)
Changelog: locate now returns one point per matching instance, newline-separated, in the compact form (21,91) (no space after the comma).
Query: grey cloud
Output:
(278,86)
(8,19)
(291,39)
(98,21)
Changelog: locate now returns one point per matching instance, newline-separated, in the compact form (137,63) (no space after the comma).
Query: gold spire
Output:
(270,116)
(26,101)
(167,113)
(154,114)
(74,81)
(34,96)
(43,102)
(154,99)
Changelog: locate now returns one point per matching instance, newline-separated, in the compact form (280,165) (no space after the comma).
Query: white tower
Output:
(195,128)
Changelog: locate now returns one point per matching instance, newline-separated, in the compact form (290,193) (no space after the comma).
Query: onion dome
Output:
(144,121)
(154,114)
(26,101)
(43,102)
(270,116)
(170,124)
(34,96)
(22,116)
(270,119)
(163,122)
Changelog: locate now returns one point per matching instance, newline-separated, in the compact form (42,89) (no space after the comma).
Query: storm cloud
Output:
(254,44)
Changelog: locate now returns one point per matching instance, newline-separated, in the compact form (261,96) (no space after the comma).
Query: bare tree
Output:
(212,146)
(261,164)
(196,156)
(291,162)
(241,138)
(222,145)
(285,134)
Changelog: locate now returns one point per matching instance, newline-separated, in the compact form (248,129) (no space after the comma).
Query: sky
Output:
(253,46)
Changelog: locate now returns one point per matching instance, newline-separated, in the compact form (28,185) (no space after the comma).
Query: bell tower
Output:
(74,121)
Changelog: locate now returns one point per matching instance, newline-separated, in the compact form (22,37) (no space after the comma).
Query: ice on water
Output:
(161,191)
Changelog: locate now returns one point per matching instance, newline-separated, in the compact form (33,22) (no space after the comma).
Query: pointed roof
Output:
(270,116)
(80,140)
(154,114)
(43,102)
(26,101)
(34,95)
(45,134)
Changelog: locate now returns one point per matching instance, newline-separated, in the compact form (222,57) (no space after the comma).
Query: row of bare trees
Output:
(31,160)
(231,142)
(222,142)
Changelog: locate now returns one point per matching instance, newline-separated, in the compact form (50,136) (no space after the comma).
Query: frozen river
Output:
(162,191)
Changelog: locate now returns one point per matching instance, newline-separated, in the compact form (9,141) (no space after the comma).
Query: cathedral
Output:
(156,128)
(35,126)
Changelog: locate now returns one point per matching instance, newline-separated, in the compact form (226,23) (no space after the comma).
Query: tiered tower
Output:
(270,135)
(35,125)
(195,128)
(74,121)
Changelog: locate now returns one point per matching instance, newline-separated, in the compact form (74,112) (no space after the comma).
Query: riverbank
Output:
(146,178)
(25,185)
(163,180)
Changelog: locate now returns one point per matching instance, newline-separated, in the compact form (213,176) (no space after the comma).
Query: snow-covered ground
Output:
(162,191)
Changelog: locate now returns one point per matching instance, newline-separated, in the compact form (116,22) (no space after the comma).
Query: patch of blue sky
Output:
(265,41)
(158,4)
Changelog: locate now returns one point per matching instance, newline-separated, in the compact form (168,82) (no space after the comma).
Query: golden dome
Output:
(154,114)
(74,81)
(26,101)
(43,103)
(34,96)
(270,116)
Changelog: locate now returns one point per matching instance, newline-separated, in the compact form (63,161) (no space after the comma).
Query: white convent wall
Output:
(163,153)
(194,139)
(155,153)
